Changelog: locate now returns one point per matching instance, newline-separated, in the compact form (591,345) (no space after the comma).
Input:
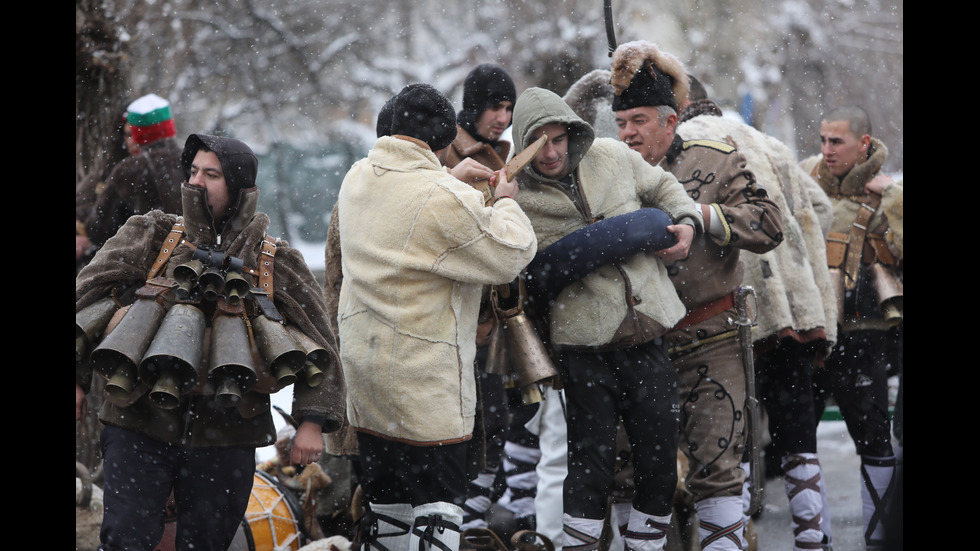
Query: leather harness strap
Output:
(266,258)
(856,238)
(176,237)
(169,244)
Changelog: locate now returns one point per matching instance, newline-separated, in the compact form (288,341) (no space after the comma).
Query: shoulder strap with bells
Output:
(266,258)
(856,238)
(175,237)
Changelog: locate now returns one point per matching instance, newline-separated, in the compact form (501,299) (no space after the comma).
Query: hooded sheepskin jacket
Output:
(417,247)
(742,204)
(121,267)
(792,279)
(621,304)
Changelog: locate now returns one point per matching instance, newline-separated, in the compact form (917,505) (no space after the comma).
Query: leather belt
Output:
(707,310)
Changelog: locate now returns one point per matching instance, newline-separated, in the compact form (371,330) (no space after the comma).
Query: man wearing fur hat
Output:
(863,253)
(146,180)
(650,86)
(197,438)
(417,247)
(606,327)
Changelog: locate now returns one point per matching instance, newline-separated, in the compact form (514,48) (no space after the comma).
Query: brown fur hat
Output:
(643,75)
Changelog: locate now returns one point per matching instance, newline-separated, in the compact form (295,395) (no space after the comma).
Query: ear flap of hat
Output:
(631,57)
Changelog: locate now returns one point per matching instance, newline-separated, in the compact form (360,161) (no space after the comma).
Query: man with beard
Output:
(199,443)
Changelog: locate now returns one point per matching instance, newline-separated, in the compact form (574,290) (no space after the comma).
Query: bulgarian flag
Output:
(151,119)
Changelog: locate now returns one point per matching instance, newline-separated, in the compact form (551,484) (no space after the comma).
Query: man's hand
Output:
(503,188)
(307,444)
(471,172)
(80,402)
(878,184)
(685,235)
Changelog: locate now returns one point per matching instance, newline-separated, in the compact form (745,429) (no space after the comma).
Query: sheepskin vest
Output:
(792,279)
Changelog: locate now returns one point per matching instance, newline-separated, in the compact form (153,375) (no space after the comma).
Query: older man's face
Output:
(641,130)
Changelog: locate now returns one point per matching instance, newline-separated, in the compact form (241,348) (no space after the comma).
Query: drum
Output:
(273,520)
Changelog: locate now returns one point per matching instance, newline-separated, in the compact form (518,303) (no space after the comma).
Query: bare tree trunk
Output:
(100,95)
(101,89)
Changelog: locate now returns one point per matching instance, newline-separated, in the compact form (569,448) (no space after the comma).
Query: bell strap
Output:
(176,237)
(169,244)
(266,260)
(855,239)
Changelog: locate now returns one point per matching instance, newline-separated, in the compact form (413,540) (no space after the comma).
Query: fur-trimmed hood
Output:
(590,95)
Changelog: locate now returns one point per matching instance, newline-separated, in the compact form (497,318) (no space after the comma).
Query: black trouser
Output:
(856,375)
(396,472)
(494,400)
(785,384)
(211,487)
(898,422)
(639,386)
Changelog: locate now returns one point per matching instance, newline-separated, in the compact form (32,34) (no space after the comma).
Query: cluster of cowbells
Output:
(161,350)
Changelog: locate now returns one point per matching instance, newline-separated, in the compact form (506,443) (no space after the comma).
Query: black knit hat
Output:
(422,112)
(485,86)
(645,76)
(383,126)
(238,163)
